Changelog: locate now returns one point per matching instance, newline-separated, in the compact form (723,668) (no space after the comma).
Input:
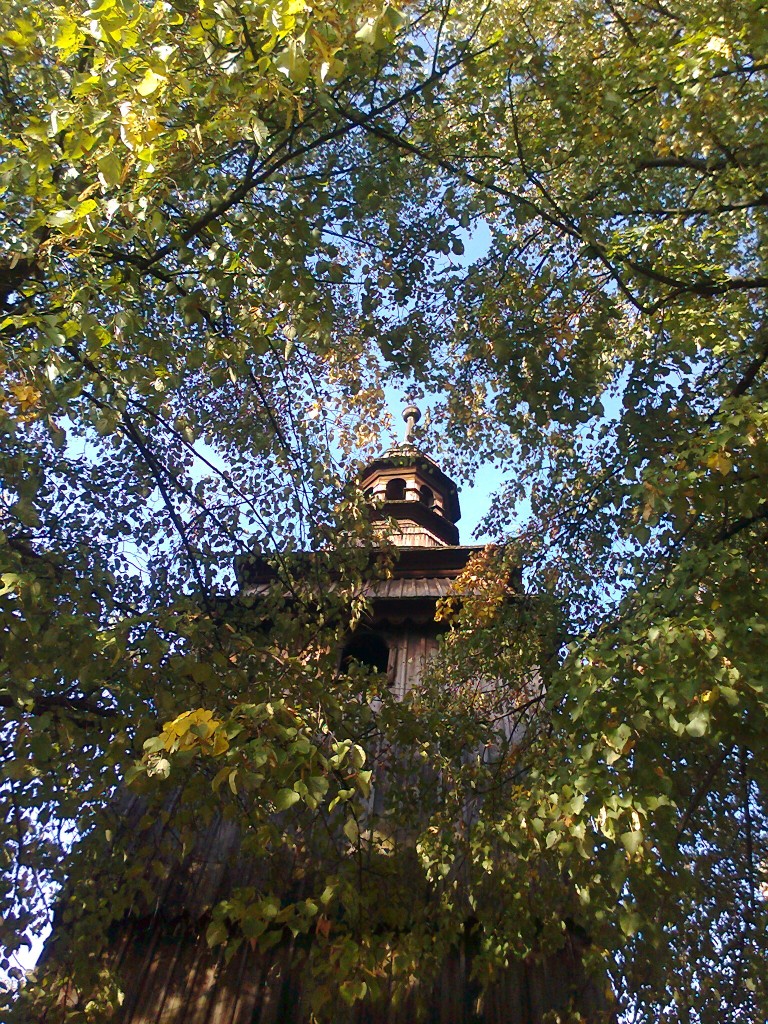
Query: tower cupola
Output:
(408,486)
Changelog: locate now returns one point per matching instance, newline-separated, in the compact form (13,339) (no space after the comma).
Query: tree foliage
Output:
(227,227)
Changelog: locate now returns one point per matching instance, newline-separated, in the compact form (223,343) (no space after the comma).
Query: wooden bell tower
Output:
(160,956)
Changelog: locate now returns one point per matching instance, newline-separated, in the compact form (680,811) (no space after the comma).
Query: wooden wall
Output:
(172,978)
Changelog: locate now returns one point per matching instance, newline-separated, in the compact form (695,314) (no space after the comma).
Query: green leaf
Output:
(353,990)
(285,798)
(632,841)
(698,723)
(630,922)
(216,933)
(110,169)
(10,582)
(351,830)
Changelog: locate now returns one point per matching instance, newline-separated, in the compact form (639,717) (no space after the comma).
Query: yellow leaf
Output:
(149,83)
(721,462)
(719,45)
(26,395)
(220,743)
(69,36)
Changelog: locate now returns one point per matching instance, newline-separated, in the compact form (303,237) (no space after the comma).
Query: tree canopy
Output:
(227,227)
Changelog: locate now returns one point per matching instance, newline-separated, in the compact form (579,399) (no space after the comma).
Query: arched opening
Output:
(426,496)
(395,489)
(366,649)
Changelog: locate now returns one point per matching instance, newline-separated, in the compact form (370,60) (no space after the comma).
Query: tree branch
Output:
(702,790)
(40,704)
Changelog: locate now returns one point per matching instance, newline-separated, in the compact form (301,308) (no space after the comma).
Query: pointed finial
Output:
(411,415)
